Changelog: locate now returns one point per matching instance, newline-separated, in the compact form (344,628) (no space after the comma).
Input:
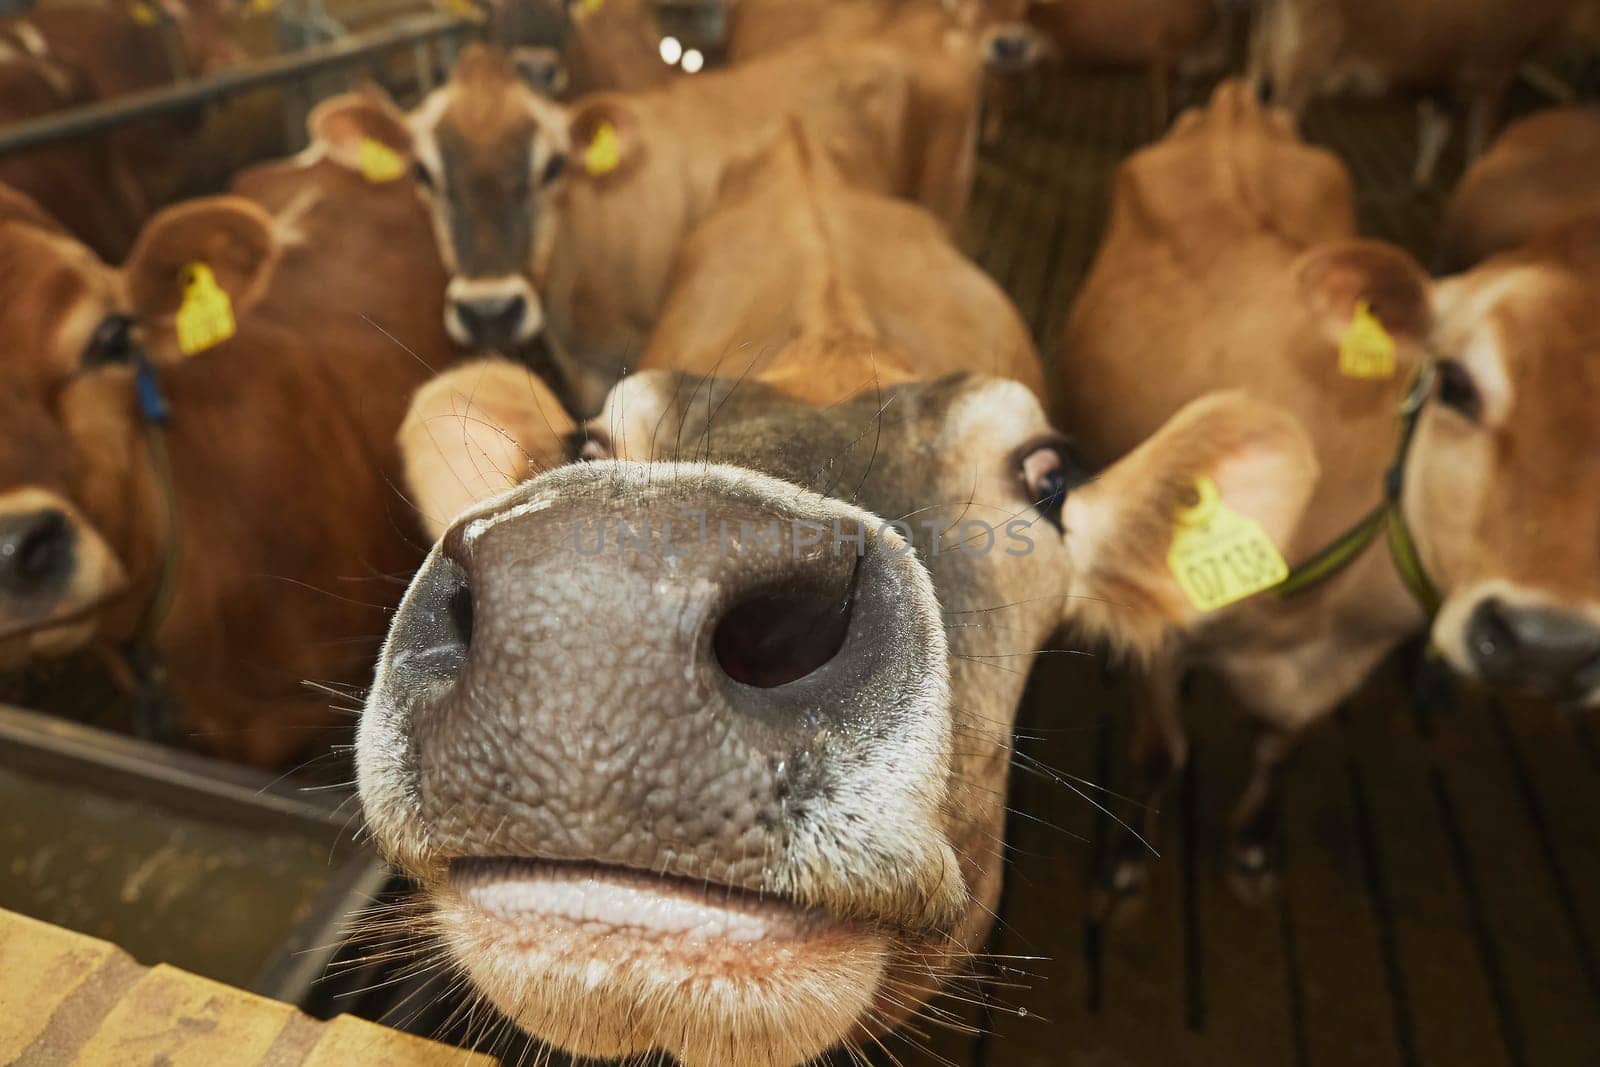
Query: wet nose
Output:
(651,666)
(1011,49)
(36,553)
(753,603)
(1533,648)
(492,320)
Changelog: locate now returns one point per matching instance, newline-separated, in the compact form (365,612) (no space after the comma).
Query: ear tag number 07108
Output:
(205,318)
(1219,556)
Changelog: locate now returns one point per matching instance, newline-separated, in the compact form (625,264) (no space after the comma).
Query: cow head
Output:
(78,510)
(702,745)
(1500,491)
(492,156)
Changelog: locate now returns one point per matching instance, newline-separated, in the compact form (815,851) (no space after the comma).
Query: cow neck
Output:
(143,671)
(1387,518)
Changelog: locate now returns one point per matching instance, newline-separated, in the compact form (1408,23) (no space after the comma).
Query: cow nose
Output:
(36,551)
(1532,648)
(652,666)
(492,320)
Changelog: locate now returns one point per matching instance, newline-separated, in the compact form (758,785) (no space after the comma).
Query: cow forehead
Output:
(57,294)
(482,117)
(892,443)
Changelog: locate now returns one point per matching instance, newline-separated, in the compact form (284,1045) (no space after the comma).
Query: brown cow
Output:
(73,55)
(208,540)
(1159,36)
(1468,50)
(359,257)
(1544,171)
(1230,261)
(733,787)
(605,45)
(537,224)
(963,54)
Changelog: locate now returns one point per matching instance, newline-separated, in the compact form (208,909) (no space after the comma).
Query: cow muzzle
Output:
(54,570)
(1525,644)
(492,314)
(671,758)
(1010,49)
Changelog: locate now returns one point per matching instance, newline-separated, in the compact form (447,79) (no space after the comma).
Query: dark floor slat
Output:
(1556,1019)
(1453,1011)
(1145,988)
(1347,1014)
(1246,1010)
(1047,891)
(1544,751)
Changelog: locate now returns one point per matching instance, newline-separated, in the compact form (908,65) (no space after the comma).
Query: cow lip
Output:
(606,899)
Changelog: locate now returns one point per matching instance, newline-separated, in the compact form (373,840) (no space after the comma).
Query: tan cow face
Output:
(71,446)
(702,746)
(492,161)
(1501,491)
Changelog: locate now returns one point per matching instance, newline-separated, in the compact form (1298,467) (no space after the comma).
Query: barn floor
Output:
(1439,899)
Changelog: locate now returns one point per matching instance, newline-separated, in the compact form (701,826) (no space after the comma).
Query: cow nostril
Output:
(460,611)
(773,639)
(433,632)
(35,551)
(1492,637)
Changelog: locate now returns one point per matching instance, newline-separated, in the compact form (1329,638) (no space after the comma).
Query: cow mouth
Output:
(599,900)
(613,962)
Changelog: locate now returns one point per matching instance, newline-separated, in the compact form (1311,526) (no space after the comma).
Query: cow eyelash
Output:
(111,342)
(1457,391)
(1049,470)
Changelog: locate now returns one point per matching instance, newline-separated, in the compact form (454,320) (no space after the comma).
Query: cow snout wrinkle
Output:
(1534,648)
(37,553)
(684,713)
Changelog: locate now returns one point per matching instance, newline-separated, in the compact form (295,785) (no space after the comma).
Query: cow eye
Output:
(554,169)
(1457,390)
(111,342)
(1049,473)
(422,175)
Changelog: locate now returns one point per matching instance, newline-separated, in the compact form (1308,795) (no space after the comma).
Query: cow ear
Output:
(1334,279)
(1120,527)
(347,126)
(605,139)
(474,432)
(230,236)
(541,67)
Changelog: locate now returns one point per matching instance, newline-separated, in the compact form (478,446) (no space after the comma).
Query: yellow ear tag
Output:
(263,7)
(205,318)
(591,7)
(379,163)
(604,153)
(143,14)
(1220,556)
(1366,350)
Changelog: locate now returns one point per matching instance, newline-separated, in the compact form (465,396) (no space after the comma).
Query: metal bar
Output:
(80,122)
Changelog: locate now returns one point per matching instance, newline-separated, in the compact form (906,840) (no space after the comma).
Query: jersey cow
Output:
(1544,171)
(176,506)
(1467,51)
(732,786)
(587,245)
(1230,261)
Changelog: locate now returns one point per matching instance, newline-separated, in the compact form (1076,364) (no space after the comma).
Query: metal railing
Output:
(410,31)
